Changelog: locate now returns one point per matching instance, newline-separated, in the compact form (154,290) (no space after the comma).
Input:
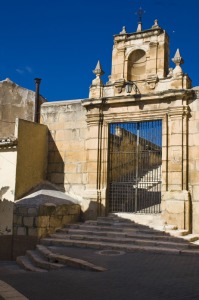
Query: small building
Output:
(23,148)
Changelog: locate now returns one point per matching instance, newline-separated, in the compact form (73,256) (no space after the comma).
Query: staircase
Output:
(110,233)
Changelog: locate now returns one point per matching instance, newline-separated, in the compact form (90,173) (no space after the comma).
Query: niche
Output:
(136,65)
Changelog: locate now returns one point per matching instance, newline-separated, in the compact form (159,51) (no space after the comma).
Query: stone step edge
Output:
(134,225)
(108,246)
(41,263)
(115,228)
(26,264)
(134,234)
(69,261)
(117,224)
(127,240)
(113,219)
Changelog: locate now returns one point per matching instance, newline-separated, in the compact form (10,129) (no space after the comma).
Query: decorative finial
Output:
(98,70)
(156,24)
(178,60)
(140,13)
(123,30)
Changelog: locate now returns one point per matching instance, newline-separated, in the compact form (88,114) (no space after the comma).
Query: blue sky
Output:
(60,41)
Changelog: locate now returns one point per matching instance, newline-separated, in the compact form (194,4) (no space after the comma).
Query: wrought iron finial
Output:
(140,13)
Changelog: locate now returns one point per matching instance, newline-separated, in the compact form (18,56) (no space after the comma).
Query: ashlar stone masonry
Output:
(142,87)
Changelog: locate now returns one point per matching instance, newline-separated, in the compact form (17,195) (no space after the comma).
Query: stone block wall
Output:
(67,166)
(43,220)
(193,140)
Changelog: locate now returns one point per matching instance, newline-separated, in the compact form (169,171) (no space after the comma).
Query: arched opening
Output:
(136,65)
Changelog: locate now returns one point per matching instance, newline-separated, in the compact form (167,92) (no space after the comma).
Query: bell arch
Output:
(136,69)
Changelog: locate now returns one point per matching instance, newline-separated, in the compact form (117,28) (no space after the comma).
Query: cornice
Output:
(169,95)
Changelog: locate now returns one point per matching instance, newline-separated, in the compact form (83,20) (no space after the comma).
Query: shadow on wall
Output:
(6,216)
(94,210)
(55,165)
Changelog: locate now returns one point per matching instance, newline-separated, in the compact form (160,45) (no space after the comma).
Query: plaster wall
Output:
(8,159)
(31,156)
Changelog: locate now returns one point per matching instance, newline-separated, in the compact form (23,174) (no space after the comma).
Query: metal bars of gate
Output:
(135,160)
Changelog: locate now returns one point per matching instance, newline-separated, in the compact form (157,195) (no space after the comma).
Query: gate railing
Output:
(135,167)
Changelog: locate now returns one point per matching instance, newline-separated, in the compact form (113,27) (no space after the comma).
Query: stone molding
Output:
(138,35)
(170,95)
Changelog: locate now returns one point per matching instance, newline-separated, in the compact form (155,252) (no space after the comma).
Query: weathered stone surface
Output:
(47,210)
(42,221)
(21,231)
(176,208)
(17,220)
(15,101)
(55,221)
(68,219)
(32,211)
(33,232)
(23,210)
(28,221)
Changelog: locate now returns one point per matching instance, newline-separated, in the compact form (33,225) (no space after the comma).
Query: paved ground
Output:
(137,276)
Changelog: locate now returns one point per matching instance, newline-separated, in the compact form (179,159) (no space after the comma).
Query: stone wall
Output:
(15,102)
(40,221)
(193,140)
(67,157)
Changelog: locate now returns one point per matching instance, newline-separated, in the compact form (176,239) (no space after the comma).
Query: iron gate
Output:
(135,160)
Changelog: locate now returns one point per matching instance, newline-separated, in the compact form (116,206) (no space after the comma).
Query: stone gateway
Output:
(153,171)
(131,148)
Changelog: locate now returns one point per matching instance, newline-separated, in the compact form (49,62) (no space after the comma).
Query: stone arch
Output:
(136,65)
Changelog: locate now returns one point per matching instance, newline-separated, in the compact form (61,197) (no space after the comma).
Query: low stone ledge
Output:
(42,213)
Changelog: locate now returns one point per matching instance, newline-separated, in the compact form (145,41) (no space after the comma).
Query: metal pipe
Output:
(37,104)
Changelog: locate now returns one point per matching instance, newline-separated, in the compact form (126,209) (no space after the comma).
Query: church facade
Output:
(132,147)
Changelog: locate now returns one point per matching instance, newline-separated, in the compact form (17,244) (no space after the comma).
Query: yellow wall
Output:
(31,156)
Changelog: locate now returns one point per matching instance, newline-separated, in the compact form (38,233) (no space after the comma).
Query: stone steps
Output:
(123,234)
(114,246)
(114,228)
(26,264)
(141,241)
(40,261)
(110,233)
(43,260)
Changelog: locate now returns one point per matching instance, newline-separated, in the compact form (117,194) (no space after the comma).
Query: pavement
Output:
(137,276)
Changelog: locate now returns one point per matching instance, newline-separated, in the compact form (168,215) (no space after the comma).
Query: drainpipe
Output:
(37,104)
